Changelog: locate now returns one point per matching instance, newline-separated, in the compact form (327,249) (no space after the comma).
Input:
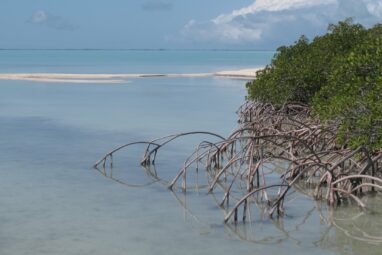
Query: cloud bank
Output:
(44,18)
(269,23)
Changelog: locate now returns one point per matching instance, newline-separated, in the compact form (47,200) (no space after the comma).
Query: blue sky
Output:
(173,24)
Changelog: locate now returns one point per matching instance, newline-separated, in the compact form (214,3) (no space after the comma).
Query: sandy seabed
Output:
(120,78)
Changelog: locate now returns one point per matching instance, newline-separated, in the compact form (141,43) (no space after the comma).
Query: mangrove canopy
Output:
(338,75)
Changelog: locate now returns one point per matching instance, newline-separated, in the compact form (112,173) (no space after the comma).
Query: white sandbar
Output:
(119,78)
(243,73)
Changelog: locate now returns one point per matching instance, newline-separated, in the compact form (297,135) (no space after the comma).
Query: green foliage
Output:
(281,81)
(297,72)
(353,93)
(339,74)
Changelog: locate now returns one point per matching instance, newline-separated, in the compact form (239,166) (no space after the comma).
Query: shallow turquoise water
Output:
(136,61)
(53,202)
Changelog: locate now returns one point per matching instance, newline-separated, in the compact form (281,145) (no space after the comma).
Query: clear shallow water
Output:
(106,61)
(53,202)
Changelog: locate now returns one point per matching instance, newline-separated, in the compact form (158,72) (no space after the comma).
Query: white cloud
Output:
(234,33)
(269,23)
(39,17)
(271,6)
(374,8)
(52,21)
(190,24)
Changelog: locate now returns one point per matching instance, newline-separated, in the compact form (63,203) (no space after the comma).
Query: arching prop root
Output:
(242,165)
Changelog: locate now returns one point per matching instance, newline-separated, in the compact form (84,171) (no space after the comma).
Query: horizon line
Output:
(128,49)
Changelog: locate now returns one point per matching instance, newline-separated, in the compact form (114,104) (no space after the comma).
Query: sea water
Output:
(129,61)
(53,202)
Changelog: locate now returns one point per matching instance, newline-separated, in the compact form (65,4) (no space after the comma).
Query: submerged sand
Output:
(120,78)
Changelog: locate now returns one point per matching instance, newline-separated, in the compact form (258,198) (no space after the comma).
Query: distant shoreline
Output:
(122,77)
(94,49)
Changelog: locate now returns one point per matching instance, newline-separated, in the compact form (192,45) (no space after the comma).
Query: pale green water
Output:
(53,202)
